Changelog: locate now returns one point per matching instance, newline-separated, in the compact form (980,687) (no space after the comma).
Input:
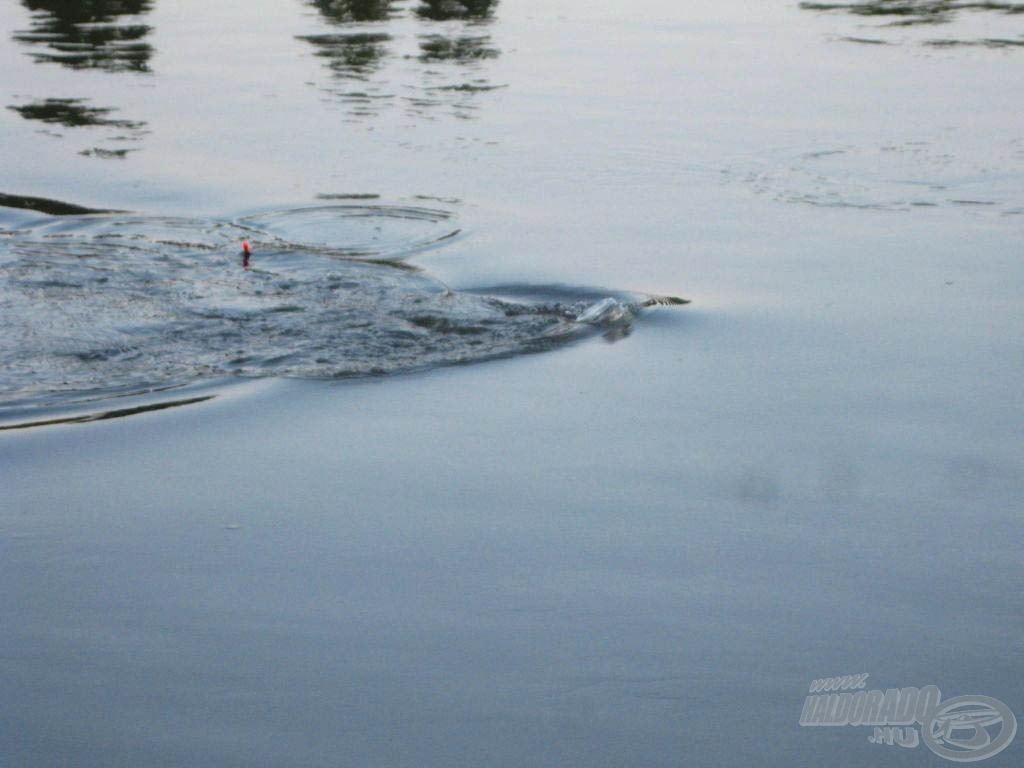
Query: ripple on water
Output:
(953,171)
(95,305)
(377,232)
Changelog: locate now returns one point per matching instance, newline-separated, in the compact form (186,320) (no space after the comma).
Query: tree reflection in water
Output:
(369,61)
(445,10)
(374,61)
(89,35)
(911,16)
(100,35)
(354,11)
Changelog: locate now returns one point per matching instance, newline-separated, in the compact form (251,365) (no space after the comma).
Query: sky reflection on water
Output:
(368,63)
(378,59)
(605,555)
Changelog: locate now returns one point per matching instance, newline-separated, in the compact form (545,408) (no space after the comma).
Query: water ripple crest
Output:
(108,304)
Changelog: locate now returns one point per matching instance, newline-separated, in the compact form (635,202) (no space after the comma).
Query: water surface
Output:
(116,304)
(638,553)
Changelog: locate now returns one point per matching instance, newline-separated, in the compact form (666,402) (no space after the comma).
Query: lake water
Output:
(426,483)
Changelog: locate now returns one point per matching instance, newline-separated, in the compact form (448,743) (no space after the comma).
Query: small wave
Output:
(372,232)
(983,177)
(94,305)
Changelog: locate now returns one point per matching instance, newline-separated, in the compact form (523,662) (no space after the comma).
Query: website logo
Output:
(963,729)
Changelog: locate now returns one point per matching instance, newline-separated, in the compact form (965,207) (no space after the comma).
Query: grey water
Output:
(261,514)
(103,305)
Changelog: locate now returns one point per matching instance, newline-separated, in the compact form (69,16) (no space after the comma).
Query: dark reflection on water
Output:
(914,11)
(924,13)
(987,42)
(379,58)
(73,113)
(427,58)
(46,205)
(353,56)
(88,35)
(458,49)
(77,113)
(348,11)
(107,154)
(444,82)
(445,10)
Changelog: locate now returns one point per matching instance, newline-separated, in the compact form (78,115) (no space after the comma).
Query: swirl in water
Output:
(105,304)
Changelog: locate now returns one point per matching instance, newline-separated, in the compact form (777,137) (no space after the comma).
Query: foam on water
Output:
(103,304)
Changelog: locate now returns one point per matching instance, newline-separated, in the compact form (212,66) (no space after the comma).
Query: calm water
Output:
(629,553)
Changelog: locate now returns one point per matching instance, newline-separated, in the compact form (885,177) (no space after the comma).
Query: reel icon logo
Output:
(958,729)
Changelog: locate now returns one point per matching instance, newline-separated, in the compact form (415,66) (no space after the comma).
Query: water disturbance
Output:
(114,303)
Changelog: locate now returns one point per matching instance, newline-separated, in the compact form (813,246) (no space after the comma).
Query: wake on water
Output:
(97,304)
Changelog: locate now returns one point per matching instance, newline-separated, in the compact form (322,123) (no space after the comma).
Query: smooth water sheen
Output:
(634,554)
(116,303)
